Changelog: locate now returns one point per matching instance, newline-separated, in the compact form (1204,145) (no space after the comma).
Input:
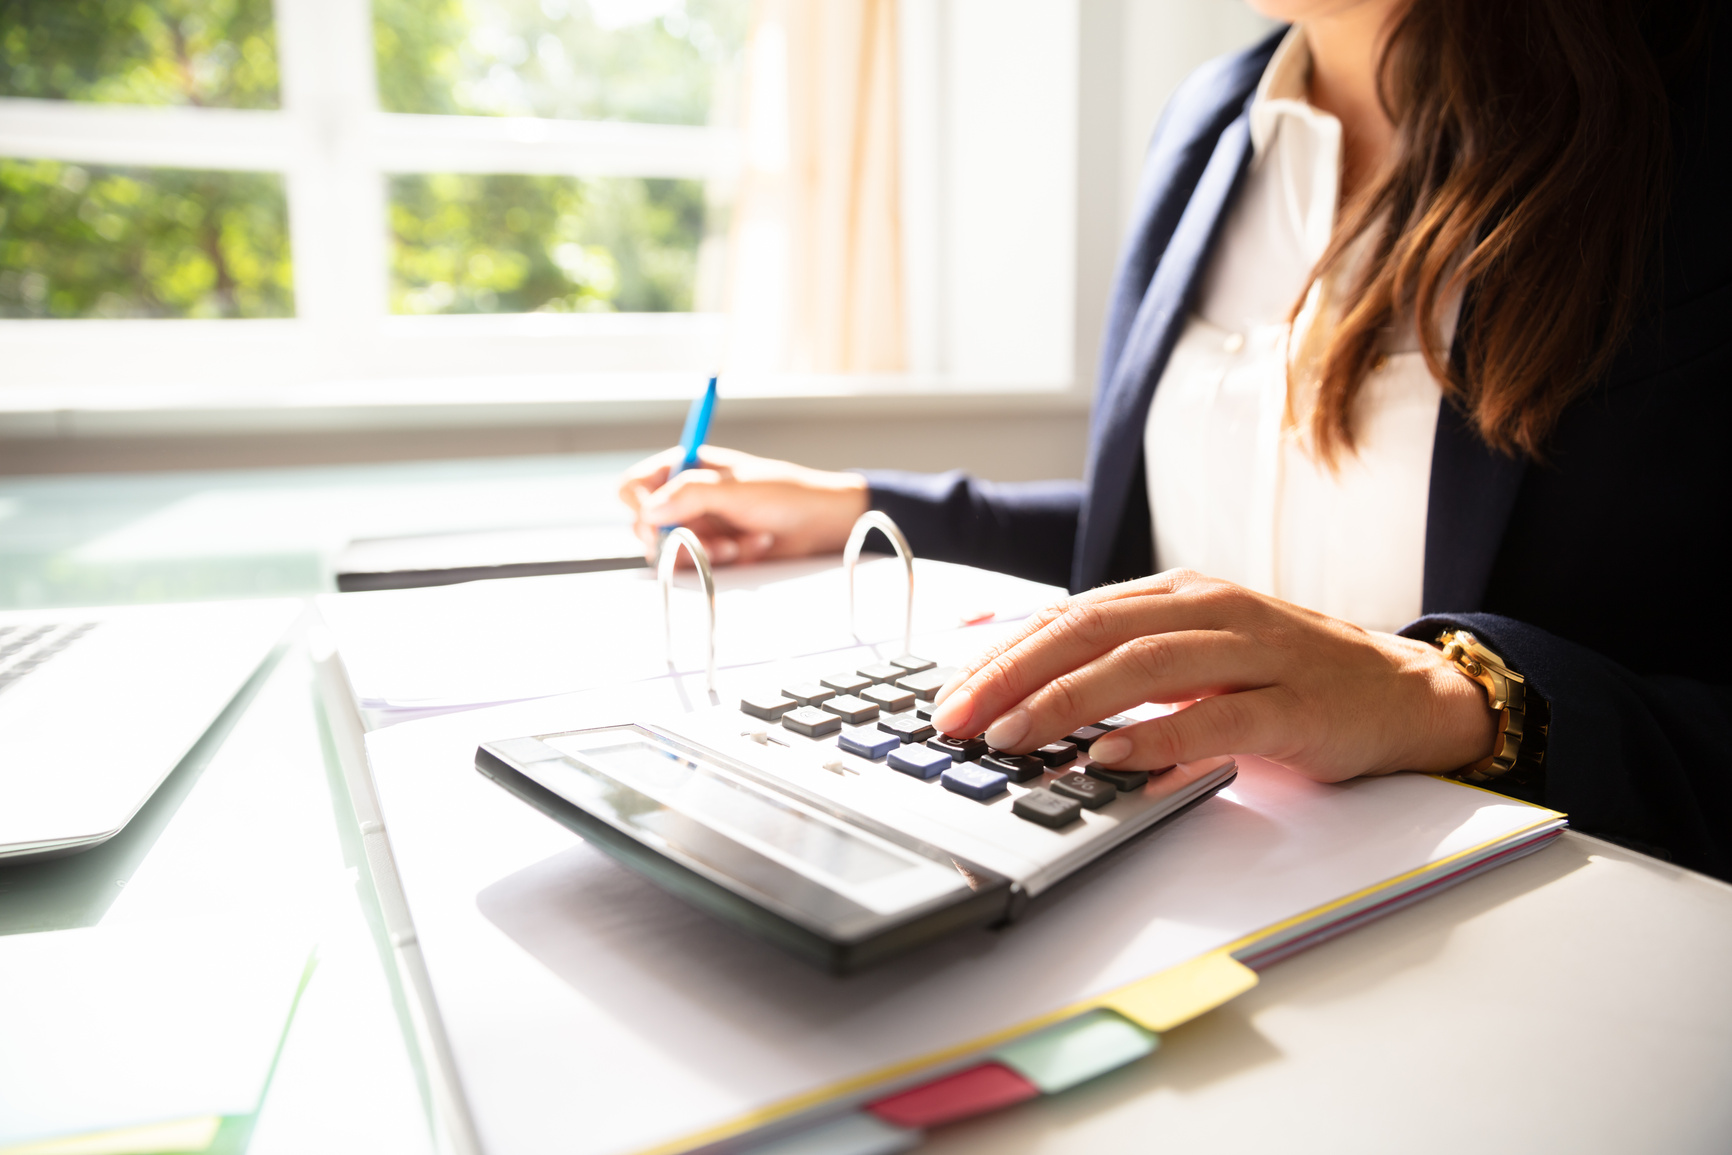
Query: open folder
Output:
(572,1005)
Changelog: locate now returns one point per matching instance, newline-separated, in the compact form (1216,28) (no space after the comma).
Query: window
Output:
(279,203)
(338,171)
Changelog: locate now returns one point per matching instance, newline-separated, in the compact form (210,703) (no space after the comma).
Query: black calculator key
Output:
(907,727)
(1018,767)
(893,700)
(1091,792)
(911,664)
(845,683)
(1082,737)
(924,709)
(881,672)
(926,684)
(811,721)
(769,707)
(1057,754)
(808,693)
(851,709)
(1115,722)
(1046,808)
(1121,779)
(961,749)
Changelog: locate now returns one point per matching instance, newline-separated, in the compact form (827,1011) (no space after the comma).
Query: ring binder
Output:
(870,520)
(670,553)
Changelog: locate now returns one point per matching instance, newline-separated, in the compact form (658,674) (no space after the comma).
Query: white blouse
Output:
(1234,489)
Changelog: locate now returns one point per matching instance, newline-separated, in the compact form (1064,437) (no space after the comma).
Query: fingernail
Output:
(1008,730)
(725,550)
(952,714)
(763,541)
(1112,748)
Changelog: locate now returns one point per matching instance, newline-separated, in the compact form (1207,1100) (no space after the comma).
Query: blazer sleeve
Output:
(1023,528)
(1639,758)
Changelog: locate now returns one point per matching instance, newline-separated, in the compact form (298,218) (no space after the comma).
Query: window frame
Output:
(344,352)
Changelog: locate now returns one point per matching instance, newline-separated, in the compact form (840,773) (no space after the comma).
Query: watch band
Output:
(1506,693)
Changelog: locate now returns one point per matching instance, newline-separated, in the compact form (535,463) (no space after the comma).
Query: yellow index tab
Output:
(1181,993)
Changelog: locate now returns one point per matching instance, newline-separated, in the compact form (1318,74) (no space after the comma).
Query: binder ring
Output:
(868,521)
(671,545)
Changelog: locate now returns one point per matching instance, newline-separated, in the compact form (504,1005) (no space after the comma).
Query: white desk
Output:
(1573,1001)
(1570,1001)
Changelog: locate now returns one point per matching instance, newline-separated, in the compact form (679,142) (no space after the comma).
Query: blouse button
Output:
(1234,342)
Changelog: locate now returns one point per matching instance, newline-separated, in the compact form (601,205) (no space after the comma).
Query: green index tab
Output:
(1077,1050)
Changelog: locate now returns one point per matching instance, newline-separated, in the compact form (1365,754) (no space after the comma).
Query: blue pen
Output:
(692,437)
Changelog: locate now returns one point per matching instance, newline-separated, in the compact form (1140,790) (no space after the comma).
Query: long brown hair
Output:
(1530,168)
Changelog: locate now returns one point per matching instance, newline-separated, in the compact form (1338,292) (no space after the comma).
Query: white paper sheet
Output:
(115,1026)
(589,1011)
(482,643)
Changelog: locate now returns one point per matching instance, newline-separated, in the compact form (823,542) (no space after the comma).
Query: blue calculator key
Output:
(881,672)
(868,742)
(961,749)
(769,707)
(851,709)
(845,683)
(808,693)
(920,761)
(811,721)
(893,700)
(973,781)
(907,727)
(1020,767)
(912,664)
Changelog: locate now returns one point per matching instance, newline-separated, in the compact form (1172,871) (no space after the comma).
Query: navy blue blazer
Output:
(1594,573)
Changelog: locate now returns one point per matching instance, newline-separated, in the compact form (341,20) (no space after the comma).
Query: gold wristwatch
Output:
(1506,692)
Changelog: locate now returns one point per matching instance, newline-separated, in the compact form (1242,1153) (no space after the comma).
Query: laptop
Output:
(97,706)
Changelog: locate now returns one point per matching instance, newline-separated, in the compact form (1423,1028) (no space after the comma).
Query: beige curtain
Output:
(816,280)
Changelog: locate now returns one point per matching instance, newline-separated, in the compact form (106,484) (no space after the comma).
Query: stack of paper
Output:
(588,1010)
(415,652)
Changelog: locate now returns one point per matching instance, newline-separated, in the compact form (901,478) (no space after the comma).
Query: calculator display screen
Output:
(720,801)
(701,809)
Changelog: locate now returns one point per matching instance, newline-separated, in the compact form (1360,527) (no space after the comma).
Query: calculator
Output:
(823,812)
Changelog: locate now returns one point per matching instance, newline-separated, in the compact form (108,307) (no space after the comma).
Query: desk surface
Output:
(1573,1000)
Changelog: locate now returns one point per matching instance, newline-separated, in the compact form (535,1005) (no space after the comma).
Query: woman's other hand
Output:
(743,508)
(1260,676)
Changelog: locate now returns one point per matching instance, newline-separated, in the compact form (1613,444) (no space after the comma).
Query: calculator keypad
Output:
(881,714)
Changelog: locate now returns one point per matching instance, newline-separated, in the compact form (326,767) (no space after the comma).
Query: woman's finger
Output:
(1046,616)
(646,477)
(1251,722)
(1172,667)
(685,497)
(1081,631)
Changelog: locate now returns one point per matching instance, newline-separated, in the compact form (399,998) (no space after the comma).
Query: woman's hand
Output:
(743,508)
(1261,676)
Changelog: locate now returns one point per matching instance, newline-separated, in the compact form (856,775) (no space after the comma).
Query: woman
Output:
(1423,328)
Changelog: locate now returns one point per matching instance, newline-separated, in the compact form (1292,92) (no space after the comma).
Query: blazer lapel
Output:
(1116,436)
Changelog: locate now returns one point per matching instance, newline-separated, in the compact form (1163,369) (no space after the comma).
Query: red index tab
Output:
(966,1093)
